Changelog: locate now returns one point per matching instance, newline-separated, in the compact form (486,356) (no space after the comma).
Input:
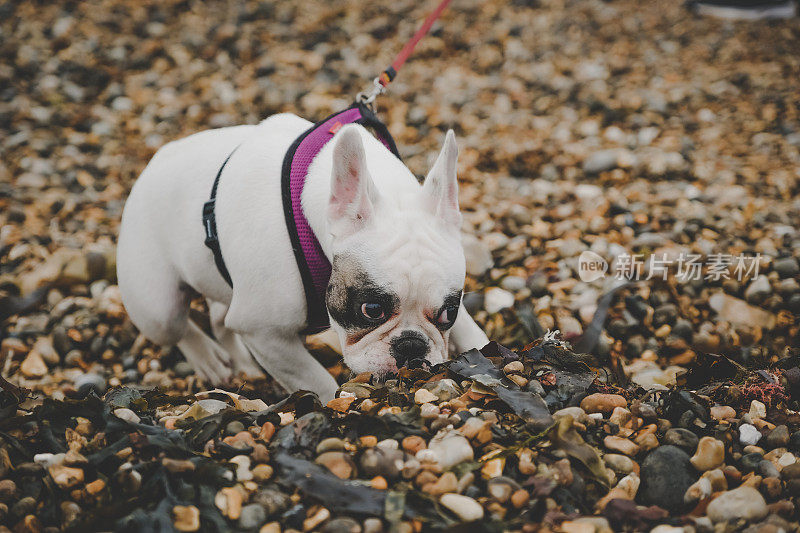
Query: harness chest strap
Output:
(314,267)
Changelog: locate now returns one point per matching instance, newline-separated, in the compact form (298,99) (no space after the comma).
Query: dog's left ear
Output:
(441,184)
(353,193)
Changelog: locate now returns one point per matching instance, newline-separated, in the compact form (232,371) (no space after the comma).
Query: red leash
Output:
(386,77)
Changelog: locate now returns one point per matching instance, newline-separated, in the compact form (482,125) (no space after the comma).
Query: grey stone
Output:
(91,381)
(758,290)
(183,369)
(252,516)
(786,267)
(682,438)
(600,161)
(341,525)
(666,474)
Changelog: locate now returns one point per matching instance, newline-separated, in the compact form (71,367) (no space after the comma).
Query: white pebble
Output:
(757,410)
(127,415)
(464,507)
(497,299)
(748,435)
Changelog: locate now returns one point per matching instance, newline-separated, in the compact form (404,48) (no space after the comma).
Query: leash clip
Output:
(368,97)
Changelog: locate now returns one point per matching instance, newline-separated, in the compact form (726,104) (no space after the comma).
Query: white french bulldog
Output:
(397,264)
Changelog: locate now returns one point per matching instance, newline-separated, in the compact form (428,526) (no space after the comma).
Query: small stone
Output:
(424,396)
(710,482)
(413,443)
(740,313)
(315,520)
(723,412)
(520,498)
(518,380)
(620,464)
(778,437)
(493,468)
(373,525)
(341,525)
(666,475)
(331,444)
(272,500)
(600,161)
(243,472)
(89,382)
(758,290)
(186,517)
(445,389)
(710,454)
(368,441)
(602,403)
(576,526)
(66,477)
(682,438)
(497,299)
(229,501)
(578,414)
(501,488)
(618,444)
(341,404)
(449,448)
(514,367)
(252,516)
(526,463)
(383,462)
(33,366)
(757,410)
(748,434)
(744,502)
(95,487)
(513,283)
(446,483)
(8,490)
(428,411)
(626,489)
(464,507)
(183,369)
(786,267)
(262,472)
(127,415)
(339,463)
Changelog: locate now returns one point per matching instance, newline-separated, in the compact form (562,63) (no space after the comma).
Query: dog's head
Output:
(398,264)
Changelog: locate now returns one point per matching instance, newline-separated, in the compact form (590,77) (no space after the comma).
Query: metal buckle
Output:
(208,216)
(368,97)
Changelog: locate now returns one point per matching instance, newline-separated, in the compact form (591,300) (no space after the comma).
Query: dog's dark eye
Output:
(448,315)
(372,310)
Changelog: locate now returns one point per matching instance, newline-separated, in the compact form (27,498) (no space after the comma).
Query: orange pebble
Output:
(368,441)
(267,431)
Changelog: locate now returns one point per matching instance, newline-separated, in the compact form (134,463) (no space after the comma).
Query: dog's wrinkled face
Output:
(398,265)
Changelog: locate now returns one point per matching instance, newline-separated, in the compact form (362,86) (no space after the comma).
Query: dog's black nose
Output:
(408,347)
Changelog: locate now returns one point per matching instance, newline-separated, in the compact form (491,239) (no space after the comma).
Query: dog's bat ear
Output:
(441,184)
(353,194)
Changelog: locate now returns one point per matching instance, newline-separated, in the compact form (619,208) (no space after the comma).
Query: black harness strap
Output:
(210,225)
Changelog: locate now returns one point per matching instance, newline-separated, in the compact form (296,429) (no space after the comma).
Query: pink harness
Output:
(314,267)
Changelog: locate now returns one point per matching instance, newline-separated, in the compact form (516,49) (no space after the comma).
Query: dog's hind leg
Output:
(283,355)
(241,359)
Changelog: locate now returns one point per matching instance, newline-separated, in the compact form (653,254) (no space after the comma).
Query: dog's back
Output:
(161,251)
